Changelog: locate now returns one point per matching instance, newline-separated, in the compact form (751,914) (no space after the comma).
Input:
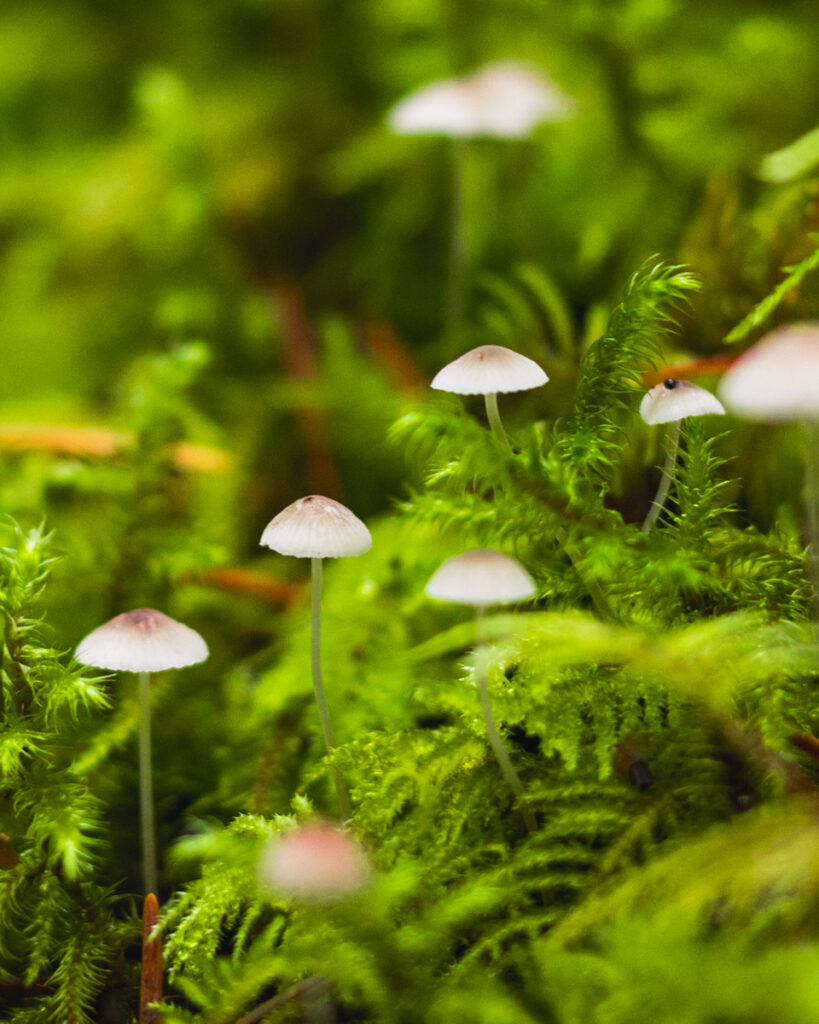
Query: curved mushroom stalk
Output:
(671,402)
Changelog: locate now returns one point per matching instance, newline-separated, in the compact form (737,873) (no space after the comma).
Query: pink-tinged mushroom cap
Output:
(481,577)
(516,98)
(777,379)
(317,863)
(675,399)
(317,527)
(502,100)
(143,640)
(489,369)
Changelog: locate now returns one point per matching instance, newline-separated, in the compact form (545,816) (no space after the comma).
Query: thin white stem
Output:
(666,478)
(493,415)
(459,240)
(146,786)
(318,686)
(495,738)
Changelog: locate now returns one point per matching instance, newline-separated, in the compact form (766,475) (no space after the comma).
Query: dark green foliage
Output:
(57,929)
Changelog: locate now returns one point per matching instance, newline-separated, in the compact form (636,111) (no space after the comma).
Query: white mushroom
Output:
(490,370)
(778,379)
(675,399)
(316,527)
(481,577)
(143,641)
(671,402)
(503,100)
(484,577)
(316,863)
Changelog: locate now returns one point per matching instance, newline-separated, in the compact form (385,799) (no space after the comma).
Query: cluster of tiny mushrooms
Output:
(778,379)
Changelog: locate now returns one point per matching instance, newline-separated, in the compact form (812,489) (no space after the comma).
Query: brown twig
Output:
(150,990)
(235,580)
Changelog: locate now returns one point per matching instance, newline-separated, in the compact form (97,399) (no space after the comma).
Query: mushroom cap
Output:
(676,399)
(316,863)
(516,98)
(444,107)
(143,640)
(777,379)
(489,369)
(502,100)
(481,577)
(317,527)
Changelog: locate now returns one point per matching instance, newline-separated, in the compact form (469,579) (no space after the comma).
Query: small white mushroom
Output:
(778,380)
(143,641)
(316,863)
(480,578)
(503,100)
(316,527)
(671,402)
(490,370)
(675,399)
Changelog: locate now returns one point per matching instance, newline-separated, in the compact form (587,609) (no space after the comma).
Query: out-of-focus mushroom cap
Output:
(316,863)
(143,640)
(481,577)
(317,527)
(515,98)
(502,100)
(676,399)
(440,108)
(489,369)
(777,379)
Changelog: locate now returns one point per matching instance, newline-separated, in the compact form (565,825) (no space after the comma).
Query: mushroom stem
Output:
(812,509)
(318,686)
(495,739)
(665,479)
(492,414)
(458,242)
(146,786)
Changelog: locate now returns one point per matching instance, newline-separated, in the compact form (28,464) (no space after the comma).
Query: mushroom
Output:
(316,527)
(316,863)
(778,379)
(143,641)
(671,402)
(489,370)
(480,578)
(503,100)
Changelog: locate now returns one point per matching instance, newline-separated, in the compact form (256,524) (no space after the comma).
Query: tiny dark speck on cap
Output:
(670,383)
